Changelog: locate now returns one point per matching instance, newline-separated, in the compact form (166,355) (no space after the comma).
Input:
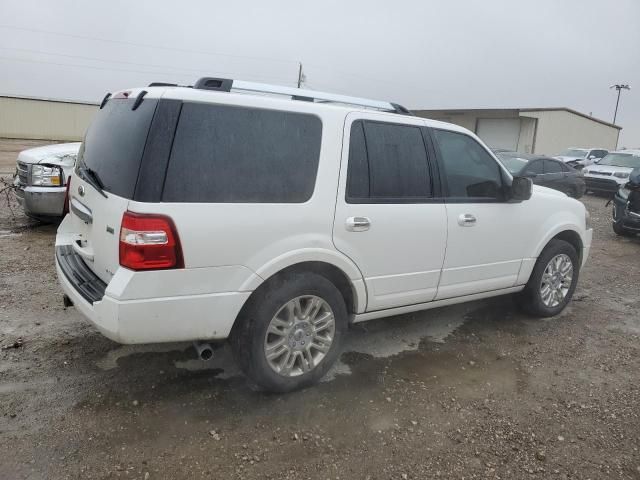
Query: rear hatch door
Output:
(105,178)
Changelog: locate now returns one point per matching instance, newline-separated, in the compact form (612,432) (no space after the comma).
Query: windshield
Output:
(513,164)
(621,160)
(574,152)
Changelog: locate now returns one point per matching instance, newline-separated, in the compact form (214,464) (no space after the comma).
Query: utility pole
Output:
(618,87)
(299,74)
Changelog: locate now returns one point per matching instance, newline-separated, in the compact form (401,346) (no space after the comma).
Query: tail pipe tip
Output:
(204,350)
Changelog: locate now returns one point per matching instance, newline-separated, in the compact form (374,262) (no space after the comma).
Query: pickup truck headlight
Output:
(46,176)
(621,175)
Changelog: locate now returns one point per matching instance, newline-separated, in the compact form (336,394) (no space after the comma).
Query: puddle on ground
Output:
(378,338)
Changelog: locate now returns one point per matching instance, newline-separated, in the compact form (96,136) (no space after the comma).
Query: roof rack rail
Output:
(227,85)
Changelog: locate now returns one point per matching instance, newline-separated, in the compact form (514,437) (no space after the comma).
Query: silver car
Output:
(41,178)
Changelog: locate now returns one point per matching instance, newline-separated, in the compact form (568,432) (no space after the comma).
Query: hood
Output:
(564,158)
(59,154)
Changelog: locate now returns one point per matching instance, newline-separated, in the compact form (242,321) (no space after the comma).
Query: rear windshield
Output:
(114,143)
(224,154)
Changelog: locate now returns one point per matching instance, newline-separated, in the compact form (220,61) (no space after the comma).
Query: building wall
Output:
(469,120)
(24,118)
(558,130)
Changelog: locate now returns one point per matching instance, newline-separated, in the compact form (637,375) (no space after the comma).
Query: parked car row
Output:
(545,171)
(581,157)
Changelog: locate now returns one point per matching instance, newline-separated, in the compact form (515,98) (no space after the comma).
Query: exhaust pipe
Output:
(204,350)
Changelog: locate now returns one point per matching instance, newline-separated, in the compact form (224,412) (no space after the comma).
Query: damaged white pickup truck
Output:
(41,178)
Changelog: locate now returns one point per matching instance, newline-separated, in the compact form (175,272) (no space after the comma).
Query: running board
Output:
(363,317)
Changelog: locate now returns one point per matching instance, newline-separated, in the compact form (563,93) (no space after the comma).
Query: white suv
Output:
(275,217)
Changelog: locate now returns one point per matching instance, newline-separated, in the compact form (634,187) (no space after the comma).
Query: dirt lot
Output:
(472,391)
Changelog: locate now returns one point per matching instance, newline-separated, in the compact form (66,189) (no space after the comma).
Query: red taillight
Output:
(149,242)
(65,207)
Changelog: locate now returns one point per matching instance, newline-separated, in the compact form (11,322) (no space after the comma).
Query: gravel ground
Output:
(471,391)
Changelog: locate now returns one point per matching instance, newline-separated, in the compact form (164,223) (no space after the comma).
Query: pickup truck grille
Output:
(608,174)
(23,174)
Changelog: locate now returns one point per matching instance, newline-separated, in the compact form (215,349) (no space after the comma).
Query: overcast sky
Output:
(423,54)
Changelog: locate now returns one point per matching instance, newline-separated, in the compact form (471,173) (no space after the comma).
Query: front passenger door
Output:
(486,234)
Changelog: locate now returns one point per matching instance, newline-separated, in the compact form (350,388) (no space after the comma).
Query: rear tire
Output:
(553,280)
(291,332)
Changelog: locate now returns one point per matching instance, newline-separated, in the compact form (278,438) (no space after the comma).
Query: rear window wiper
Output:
(92,177)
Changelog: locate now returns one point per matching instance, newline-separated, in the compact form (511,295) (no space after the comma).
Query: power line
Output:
(145,45)
(178,70)
(111,69)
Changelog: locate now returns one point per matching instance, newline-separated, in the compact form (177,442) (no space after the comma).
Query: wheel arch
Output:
(340,270)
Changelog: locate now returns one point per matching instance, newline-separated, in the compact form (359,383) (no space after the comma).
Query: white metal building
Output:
(44,119)
(532,130)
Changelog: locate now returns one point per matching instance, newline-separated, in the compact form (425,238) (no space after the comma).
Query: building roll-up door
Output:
(499,132)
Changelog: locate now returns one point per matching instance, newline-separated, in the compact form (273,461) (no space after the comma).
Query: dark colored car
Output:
(545,171)
(626,206)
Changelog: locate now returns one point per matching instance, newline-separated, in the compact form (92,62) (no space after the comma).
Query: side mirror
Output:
(596,160)
(591,157)
(521,188)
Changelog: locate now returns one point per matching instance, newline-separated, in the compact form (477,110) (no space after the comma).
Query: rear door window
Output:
(552,167)
(115,141)
(388,163)
(228,154)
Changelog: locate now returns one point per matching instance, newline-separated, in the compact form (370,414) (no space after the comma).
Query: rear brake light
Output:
(65,207)
(149,242)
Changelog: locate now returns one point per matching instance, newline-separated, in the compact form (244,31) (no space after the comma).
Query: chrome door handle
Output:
(467,220)
(358,224)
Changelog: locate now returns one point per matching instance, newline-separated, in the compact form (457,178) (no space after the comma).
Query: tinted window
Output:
(114,143)
(232,154)
(470,170)
(358,171)
(387,162)
(534,168)
(397,161)
(552,167)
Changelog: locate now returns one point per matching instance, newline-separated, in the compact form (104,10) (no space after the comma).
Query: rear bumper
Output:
(149,320)
(42,201)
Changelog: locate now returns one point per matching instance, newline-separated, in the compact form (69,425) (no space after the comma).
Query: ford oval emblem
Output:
(81,191)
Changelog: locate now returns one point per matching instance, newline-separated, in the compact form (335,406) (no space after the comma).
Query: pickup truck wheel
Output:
(291,333)
(552,281)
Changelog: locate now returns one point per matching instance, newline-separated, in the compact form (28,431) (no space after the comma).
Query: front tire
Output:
(553,280)
(291,332)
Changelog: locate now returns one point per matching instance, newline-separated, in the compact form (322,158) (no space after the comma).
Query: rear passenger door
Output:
(389,218)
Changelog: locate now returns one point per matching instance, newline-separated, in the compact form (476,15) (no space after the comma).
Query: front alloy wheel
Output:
(556,280)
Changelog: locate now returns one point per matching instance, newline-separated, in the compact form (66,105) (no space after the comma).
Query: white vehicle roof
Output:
(278,97)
